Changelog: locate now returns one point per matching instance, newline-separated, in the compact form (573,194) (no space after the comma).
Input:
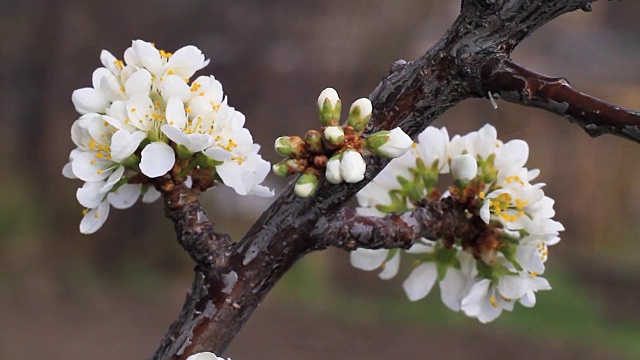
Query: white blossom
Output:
(482,277)
(141,115)
(463,167)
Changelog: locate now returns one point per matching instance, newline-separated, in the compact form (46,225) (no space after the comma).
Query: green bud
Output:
(289,145)
(329,107)
(313,141)
(289,167)
(375,141)
(360,114)
(306,185)
(334,134)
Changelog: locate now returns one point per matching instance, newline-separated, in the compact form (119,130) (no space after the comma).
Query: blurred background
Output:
(112,295)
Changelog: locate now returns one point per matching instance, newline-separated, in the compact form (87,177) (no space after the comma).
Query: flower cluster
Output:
(481,276)
(144,118)
(336,151)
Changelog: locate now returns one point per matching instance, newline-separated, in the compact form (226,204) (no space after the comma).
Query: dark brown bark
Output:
(513,83)
(231,281)
(446,218)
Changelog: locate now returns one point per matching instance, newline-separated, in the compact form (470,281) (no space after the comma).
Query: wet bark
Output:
(469,60)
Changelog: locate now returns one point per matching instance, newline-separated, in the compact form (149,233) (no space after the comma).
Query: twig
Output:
(522,86)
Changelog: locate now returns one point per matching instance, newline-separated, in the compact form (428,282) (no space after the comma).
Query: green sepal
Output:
(376,140)
(509,252)
(131,162)
(182,152)
(330,116)
(289,146)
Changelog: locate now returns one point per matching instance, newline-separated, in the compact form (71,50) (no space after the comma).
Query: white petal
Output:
(186,61)
(485,211)
(157,159)
(176,135)
(95,218)
(261,191)
(390,267)
(366,259)
(140,111)
(204,356)
(174,86)
(452,289)
(365,107)
(108,84)
(398,144)
(150,195)
(420,281)
(138,83)
(89,100)
(199,142)
(484,141)
(472,303)
(352,166)
(67,172)
(176,116)
(109,61)
(123,144)
(512,154)
(512,287)
(89,194)
(529,299)
(463,167)
(125,196)
(148,55)
(111,180)
(328,94)
(89,168)
(530,258)
(333,171)
(218,154)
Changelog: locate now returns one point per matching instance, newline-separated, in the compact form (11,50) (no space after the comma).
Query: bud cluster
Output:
(336,151)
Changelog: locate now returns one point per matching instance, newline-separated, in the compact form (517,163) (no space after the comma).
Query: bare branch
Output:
(516,84)
(197,234)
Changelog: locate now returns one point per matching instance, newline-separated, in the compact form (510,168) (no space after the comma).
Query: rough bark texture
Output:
(513,83)
(470,60)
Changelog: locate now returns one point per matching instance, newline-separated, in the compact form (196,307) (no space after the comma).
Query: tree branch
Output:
(197,234)
(445,218)
(516,84)
(231,281)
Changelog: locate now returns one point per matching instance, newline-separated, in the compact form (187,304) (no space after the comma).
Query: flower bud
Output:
(313,141)
(289,167)
(289,145)
(390,144)
(306,185)
(352,166)
(333,174)
(360,114)
(329,106)
(463,168)
(334,134)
